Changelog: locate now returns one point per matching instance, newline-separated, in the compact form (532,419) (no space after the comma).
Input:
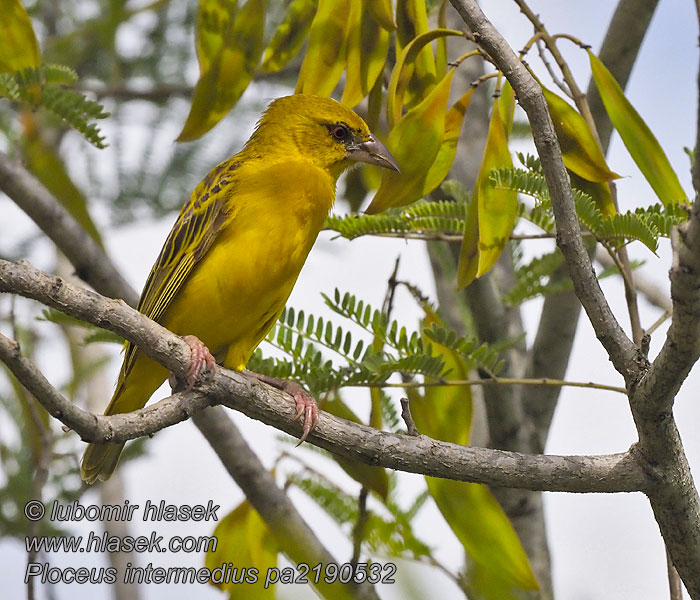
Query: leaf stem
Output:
(499,381)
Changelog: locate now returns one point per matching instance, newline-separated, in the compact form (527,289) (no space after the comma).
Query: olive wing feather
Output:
(192,235)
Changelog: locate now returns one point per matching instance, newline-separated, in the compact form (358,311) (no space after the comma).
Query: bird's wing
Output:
(195,230)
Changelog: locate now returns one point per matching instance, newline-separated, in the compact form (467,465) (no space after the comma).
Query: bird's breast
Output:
(244,280)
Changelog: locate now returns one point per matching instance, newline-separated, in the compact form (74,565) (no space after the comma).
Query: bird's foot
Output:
(305,404)
(201,360)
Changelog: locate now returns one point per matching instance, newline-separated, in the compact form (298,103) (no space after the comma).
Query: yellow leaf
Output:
(506,106)
(325,56)
(444,412)
(412,21)
(368,44)
(375,46)
(374,104)
(354,89)
(19,48)
(580,150)
(214,22)
(469,509)
(637,137)
(495,208)
(448,149)
(441,49)
(289,35)
(485,531)
(373,478)
(244,542)
(414,142)
(469,251)
(382,12)
(403,71)
(228,50)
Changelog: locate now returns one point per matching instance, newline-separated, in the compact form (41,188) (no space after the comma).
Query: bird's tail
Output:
(99,461)
(144,377)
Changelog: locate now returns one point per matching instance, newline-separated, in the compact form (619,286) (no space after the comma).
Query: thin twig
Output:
(660,321)
(458,237)
(498,381)
(621,260)
(555,78)
(408,417)
(358,531)
(675,587)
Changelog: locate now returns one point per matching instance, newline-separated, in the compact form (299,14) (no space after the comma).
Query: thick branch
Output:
(624,355)
(673,496)
(294,536)
(681,349)
(90,261)
(423,455)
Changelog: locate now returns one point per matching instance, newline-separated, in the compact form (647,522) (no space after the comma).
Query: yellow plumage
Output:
(239,243)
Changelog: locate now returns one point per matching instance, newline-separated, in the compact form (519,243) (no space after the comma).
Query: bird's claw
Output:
(306,407)
(201,360)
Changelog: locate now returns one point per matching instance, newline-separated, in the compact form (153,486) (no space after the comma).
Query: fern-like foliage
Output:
(307,339)
(392,534)
(644,225)
(530,162)
(423,217)
(42,87)
(532,279)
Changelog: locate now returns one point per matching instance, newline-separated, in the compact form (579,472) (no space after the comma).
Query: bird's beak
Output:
(373,152)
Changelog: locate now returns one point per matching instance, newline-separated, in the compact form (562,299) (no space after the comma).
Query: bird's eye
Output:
(340,132)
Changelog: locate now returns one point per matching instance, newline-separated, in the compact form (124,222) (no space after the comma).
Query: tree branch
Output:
(89,259)
(294,536)
(625,356)
(681,348)
(673,496)
(611,473)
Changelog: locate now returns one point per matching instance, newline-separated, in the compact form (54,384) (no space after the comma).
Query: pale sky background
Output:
(603,546)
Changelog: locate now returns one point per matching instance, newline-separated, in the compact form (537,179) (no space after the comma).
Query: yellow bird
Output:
(238,246)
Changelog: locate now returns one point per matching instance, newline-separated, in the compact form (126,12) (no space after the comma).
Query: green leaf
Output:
(448,149)
(444,413)
(491,214)
(382,12)
(368,44)
(289,35)
(580,150)
(19,48)
(637,137)
(415,143)
(487,535)
(421,217)
(325,55)
(403,71)
(40,87)
(244,541)
(229,45)
(469,509)
(412,22)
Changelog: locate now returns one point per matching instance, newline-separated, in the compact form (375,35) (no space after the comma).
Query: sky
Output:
(603,546)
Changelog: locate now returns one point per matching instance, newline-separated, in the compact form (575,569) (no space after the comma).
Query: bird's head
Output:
(330,135)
